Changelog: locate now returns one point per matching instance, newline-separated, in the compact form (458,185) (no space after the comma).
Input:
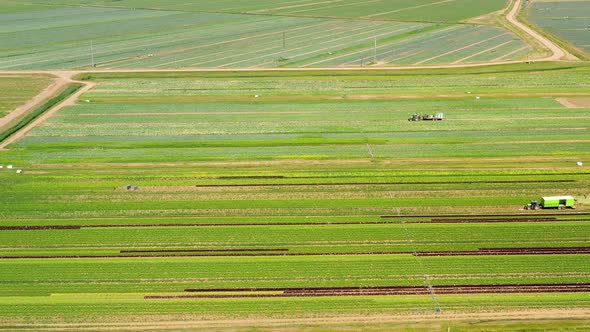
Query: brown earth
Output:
(378,291)
(574,102)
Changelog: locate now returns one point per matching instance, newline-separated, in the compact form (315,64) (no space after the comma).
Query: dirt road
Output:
(47,93)
(557,53)
(71,100)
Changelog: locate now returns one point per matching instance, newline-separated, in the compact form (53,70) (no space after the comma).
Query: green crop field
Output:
(205,196)
(421,10)
(567,20)
(18,89)
(225,34)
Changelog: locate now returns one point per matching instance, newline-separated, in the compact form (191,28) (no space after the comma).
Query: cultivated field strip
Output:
(18,90)
(80,37)
(565,19)
(421,10)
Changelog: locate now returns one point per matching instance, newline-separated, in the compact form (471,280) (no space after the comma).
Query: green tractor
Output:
(533,205)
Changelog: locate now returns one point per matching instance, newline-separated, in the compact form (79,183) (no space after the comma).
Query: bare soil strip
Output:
(456,221)
(206,250)
(281,252)
(509,251)
(574,102)
(36,228)
(374,183)
(206,255)
(433,221)
(380,291)
(542,214)
(73,227)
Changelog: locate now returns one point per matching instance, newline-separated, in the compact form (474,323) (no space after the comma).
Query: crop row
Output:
(296,239)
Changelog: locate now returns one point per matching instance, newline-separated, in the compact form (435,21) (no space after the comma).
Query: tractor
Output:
(533,205)
(415,117)
(426,117)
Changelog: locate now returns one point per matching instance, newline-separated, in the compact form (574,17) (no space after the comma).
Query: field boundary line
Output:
(407,8)
(305,44)
(500,58)
(231,41)
(260,11)
(459,49)
(330,7)
(209,55)
(362,50)
(331,47)
(482,52)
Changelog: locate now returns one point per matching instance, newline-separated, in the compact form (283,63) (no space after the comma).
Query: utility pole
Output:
(92,54)
(375,50)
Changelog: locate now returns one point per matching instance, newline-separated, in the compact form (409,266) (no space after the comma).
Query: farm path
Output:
(63,78)
(557,53)
(335,322)
(48,92)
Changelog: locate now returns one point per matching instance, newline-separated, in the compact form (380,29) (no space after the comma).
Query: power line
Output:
(426,279)
(92,54)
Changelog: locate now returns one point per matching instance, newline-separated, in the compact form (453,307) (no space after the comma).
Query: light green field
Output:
(421,10)
(290,189)
(567,20)
(157,34)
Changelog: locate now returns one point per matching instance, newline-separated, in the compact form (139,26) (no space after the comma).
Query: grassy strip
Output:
(318,74)
(40,110)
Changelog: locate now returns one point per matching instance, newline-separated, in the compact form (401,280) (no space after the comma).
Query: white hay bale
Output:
(9,166)
(579,163)
(256,96)
(477,97)
(18,171)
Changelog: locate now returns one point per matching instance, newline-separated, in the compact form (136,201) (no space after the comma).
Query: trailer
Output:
(426,117)
(558,202)
(552,202)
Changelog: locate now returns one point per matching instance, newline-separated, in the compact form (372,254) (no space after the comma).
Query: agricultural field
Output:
(222,198)
(420,10)
(171,35)
(567,20)
(18,89)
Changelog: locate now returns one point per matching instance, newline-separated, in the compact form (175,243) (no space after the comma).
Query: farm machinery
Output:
(426,117)
(552,202)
